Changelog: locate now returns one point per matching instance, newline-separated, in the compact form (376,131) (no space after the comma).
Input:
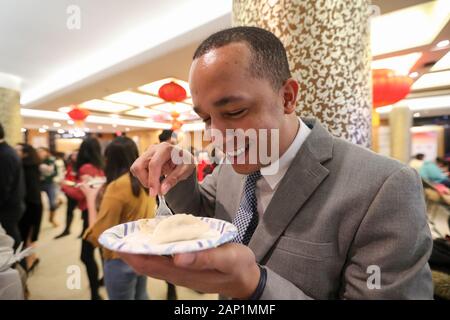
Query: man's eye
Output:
(235,113)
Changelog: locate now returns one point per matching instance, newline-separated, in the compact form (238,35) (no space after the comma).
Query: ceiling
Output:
(117,49)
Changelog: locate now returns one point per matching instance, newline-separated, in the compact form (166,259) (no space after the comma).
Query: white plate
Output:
(127,238)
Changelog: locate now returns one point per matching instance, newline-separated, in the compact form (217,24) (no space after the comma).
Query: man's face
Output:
(227,96)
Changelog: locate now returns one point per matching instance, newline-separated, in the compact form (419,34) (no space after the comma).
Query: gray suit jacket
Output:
(340,214)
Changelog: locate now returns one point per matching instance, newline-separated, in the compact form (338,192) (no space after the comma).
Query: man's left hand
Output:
(229,270)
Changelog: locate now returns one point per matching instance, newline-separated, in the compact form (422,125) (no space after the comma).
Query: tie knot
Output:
(254,176)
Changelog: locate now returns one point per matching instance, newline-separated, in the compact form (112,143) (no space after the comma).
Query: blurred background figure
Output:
(30,223)
(59,178)
(48,171)
(123,200)
(12,189)
(69,178)
(417,162)
(435,172)
(89,165)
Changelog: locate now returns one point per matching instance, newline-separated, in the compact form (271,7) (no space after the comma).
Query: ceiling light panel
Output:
(105,106)
(431,80)
(170,107)
(411,27)
(400,64)
(133,98)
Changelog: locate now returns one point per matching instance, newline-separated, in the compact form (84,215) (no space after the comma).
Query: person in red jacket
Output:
(89,164)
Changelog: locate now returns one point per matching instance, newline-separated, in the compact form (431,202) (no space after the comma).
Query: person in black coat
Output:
(12,189)
(30,223)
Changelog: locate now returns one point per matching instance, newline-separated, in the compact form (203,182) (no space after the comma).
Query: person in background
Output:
(48,172)
(70,177)
(12,189)
(417,162)
(89,164)
(30,223)
(123,200)
(433,172)
(169,137)
(59,178)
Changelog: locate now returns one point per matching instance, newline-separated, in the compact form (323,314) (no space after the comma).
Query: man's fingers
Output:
(224,259)
(140,167)
(155,167)
(172,179)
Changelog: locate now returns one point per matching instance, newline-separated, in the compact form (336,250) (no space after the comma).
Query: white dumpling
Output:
(179,227)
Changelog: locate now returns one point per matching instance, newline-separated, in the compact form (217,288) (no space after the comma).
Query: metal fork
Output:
(163,210)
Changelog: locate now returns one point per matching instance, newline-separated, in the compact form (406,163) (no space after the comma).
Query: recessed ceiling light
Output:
(105,106)
(416,114)
(442,44)
(42,130)
(70,122)
(56,124)
(400,64)
(61,131)
(414,74)
(127,129)
(99,127)
(430,80)
(23,130)
(153,87)
(411,27)
(133,98)
(45,127)
(143,112)
(170,107)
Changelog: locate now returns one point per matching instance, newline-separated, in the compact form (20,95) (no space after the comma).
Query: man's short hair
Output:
(268,55)
(2,132)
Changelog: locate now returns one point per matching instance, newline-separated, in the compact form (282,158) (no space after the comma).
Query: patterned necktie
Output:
(246,219)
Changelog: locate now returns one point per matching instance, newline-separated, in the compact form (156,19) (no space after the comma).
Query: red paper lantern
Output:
(389,88)
(172,92)
(78,114)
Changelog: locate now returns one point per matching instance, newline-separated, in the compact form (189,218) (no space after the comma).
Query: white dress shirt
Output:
(268,184)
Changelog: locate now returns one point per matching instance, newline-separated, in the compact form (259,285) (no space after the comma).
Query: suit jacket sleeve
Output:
(189,196)
(394,239)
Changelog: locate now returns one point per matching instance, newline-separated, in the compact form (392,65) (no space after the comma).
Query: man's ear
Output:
(289,92)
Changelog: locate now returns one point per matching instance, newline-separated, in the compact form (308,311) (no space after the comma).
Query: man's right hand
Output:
(163,159)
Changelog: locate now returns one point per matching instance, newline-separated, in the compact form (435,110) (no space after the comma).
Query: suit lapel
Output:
(304,175)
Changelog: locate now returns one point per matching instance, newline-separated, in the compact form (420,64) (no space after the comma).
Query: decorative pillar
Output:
(328,47)
(400,123)
(10,117)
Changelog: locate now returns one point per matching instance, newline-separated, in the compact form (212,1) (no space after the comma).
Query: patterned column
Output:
(10,108)
(328,47)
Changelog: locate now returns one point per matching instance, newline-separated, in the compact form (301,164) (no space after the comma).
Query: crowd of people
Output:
(99,184)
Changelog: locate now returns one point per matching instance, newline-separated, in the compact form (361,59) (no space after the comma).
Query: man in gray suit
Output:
(333,221)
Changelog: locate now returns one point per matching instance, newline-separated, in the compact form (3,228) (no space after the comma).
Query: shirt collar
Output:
(286,159)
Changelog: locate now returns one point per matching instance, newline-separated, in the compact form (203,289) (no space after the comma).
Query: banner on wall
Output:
(426,143)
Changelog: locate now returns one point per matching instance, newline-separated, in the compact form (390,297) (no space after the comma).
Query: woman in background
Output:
(123,200)
(48,173)
(89,165)
(70,176)
(30,223)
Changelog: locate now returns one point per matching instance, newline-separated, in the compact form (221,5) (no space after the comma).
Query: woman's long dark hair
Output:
(120,155)
(90,152)
(30,156)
